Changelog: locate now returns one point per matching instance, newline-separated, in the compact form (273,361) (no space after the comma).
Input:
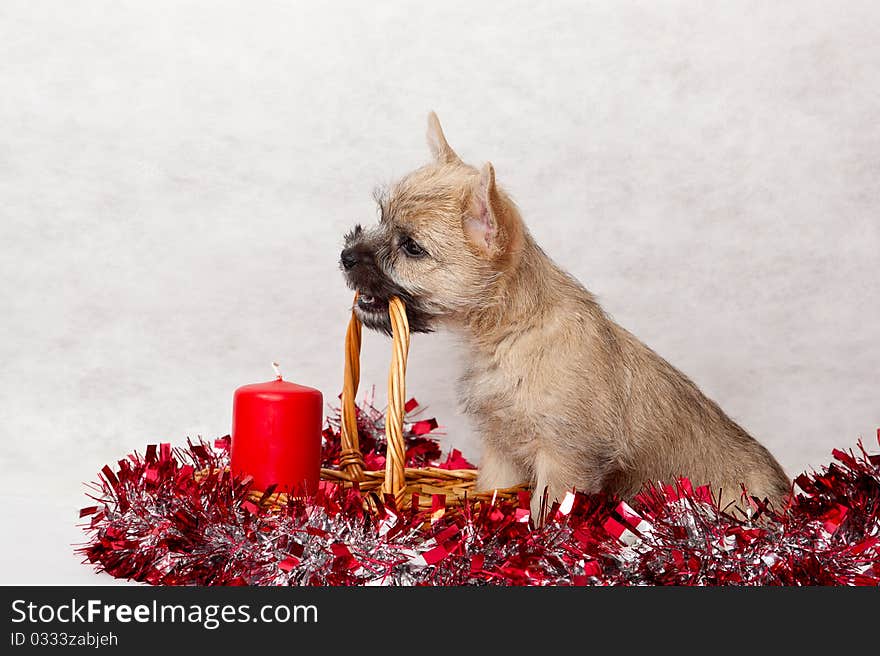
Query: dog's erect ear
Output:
(440,149)
(485,220)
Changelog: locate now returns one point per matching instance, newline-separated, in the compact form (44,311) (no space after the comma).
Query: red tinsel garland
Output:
(154,522)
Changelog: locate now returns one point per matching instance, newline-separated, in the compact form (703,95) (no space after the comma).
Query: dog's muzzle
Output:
(363,274)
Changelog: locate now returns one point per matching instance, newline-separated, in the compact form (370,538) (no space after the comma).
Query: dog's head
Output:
(445,236)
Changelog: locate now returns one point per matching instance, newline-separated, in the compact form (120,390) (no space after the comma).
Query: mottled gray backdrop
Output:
(175,178)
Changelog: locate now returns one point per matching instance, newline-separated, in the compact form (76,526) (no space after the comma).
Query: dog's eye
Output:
(411,248)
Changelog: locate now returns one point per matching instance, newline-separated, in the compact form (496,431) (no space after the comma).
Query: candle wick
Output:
(277,370)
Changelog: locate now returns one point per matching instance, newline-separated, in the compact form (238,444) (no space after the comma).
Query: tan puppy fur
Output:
(561,395)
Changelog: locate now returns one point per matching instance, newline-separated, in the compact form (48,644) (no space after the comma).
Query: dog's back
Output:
(678,430)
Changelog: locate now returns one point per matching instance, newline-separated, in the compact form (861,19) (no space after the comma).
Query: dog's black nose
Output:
(348,257)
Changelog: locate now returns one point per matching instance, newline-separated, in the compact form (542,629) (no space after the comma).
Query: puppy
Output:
(561,395)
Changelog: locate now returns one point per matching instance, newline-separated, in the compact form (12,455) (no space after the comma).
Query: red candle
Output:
(276,435)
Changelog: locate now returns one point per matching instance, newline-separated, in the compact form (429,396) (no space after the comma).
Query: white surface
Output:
(175,178)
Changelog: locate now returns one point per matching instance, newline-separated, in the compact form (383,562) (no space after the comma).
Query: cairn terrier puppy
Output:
(560,394)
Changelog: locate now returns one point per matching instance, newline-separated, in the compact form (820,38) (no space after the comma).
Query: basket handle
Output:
(351,459)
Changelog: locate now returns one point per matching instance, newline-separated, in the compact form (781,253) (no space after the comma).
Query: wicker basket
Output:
(404,483)
(397,480)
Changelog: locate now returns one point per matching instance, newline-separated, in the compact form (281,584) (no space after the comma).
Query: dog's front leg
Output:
(498,470)
(545,479)
(551,473)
